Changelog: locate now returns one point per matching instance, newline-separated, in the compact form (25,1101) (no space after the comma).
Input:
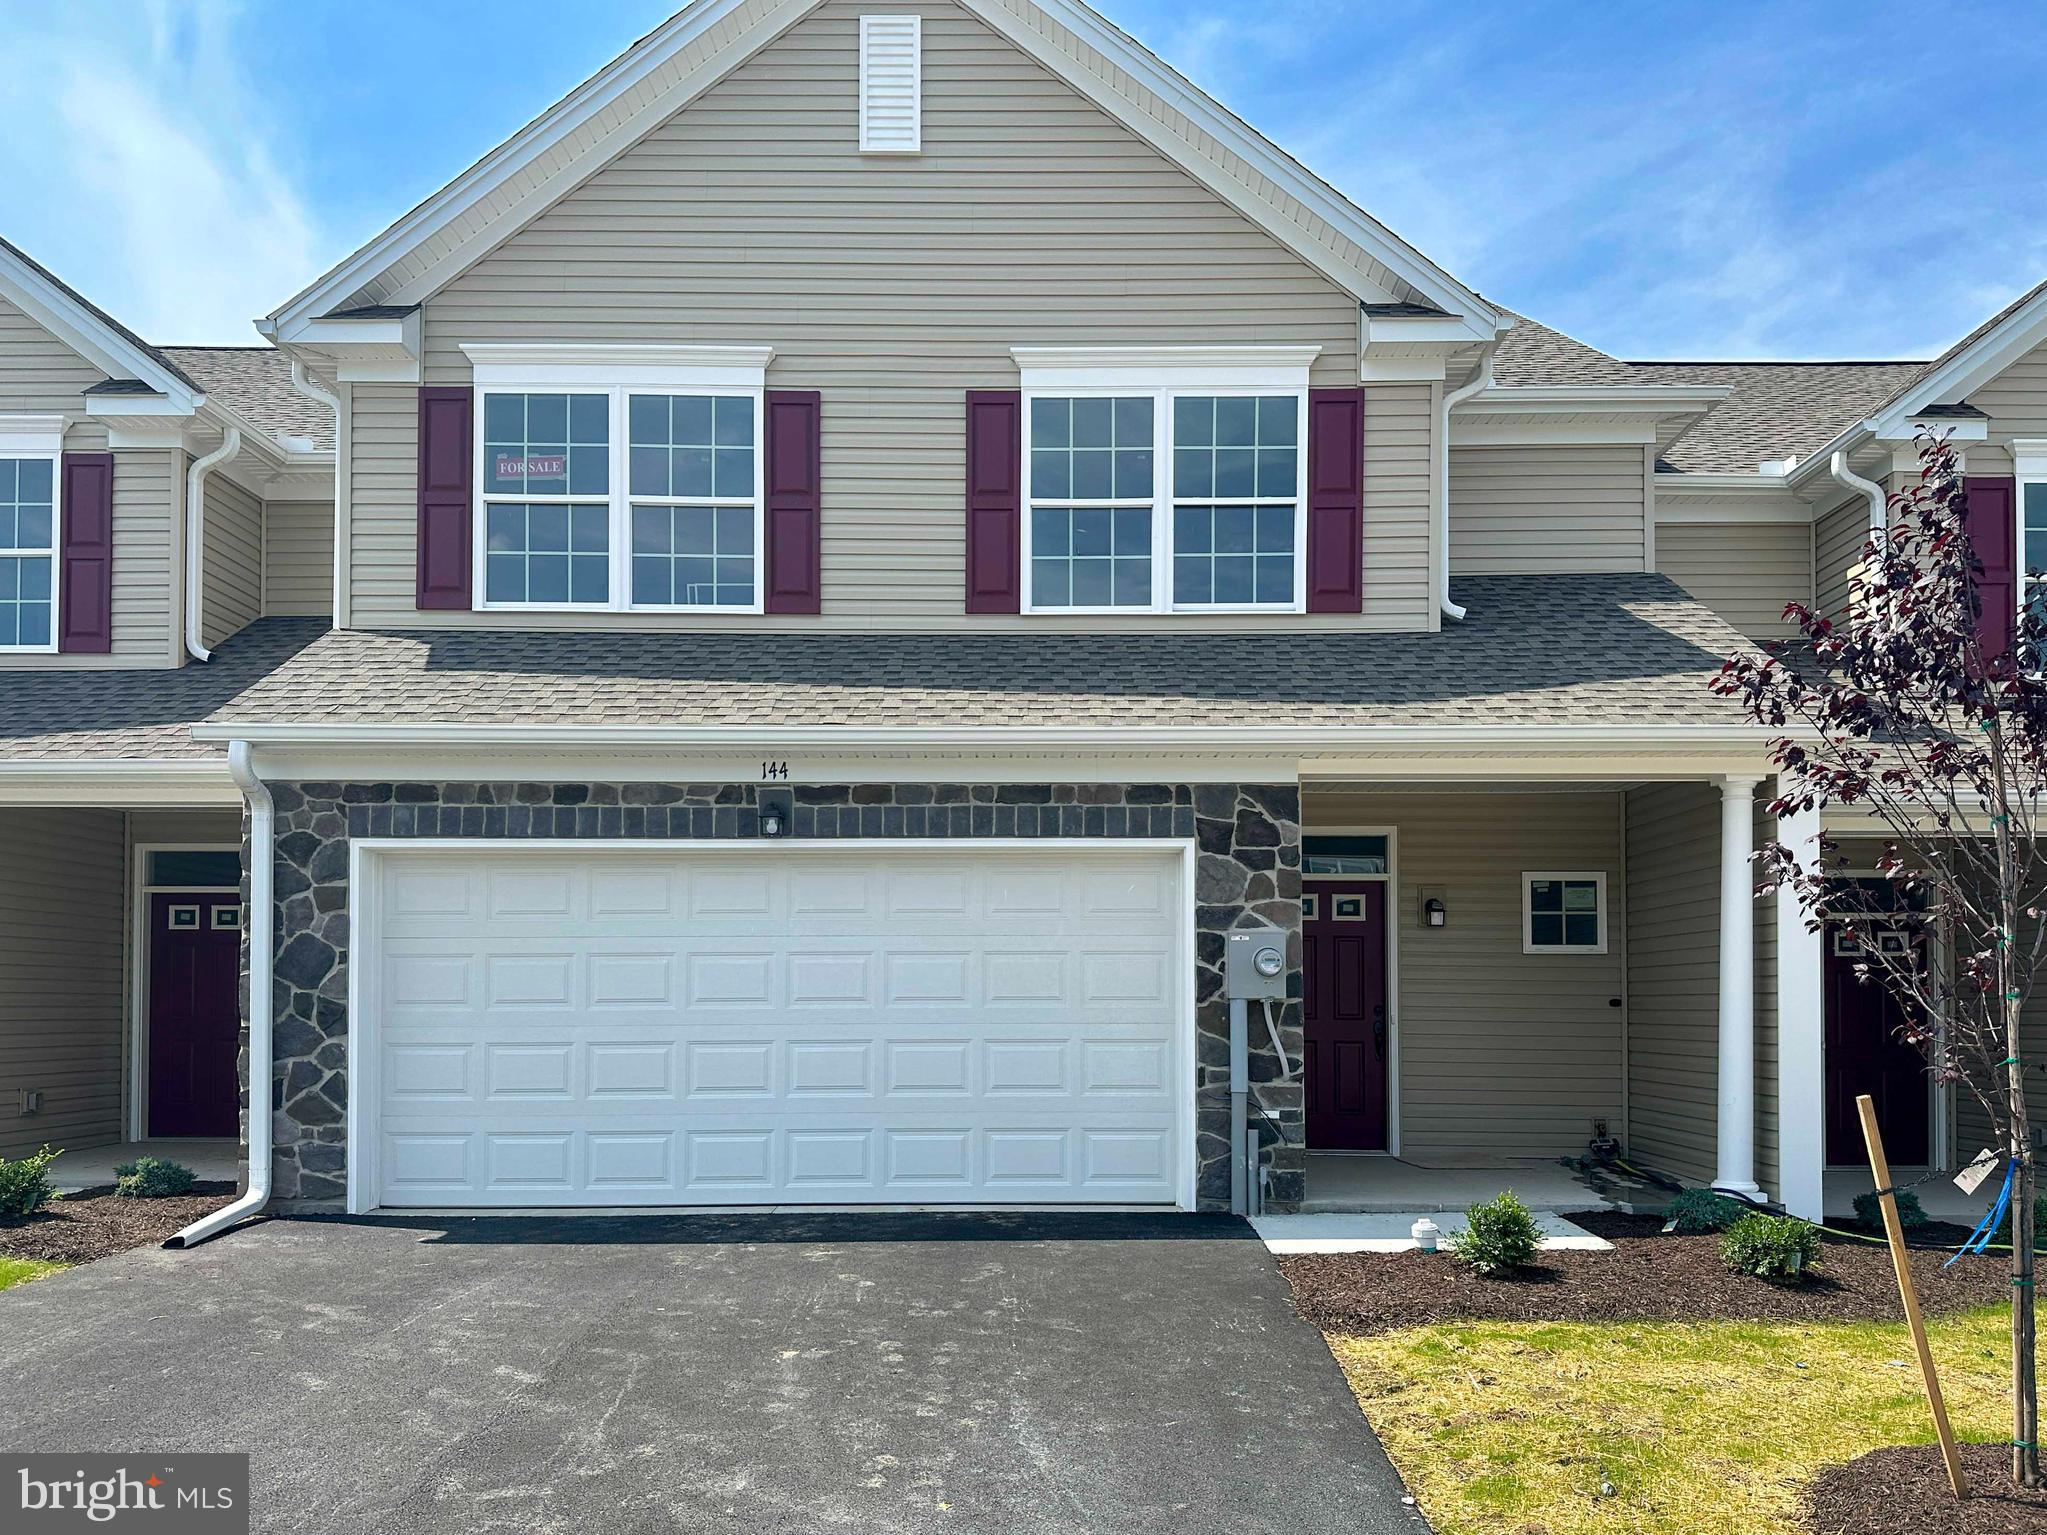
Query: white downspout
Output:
(1878,523)
(1482,380)
(195,538)
(262,864)
(303,382)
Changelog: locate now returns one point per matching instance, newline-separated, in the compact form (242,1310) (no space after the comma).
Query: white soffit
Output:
(663,73)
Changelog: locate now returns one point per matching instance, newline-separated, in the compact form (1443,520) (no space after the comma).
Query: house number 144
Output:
(774,770)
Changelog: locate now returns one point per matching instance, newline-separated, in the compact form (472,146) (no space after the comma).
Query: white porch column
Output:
(1736,1162)
(1801,1036)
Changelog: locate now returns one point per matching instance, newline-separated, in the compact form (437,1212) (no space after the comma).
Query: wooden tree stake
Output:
(1880,1169)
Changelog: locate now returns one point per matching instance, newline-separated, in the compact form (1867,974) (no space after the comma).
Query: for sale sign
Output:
(538,466)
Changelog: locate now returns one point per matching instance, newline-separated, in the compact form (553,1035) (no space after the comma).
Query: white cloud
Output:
(140,139)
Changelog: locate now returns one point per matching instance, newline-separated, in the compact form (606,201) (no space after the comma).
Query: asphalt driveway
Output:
(1084,1373)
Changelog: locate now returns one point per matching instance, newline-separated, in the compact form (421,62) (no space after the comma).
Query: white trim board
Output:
(366,859)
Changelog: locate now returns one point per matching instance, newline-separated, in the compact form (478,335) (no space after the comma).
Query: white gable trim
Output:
(1969,369)
(663,73)
(75,324)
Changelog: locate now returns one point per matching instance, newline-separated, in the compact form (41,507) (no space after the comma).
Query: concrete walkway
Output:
(1093,1374)
(1393,1233)
(211,1161)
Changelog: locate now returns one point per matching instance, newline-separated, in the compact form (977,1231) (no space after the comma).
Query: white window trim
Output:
(2029,467)
(1596,877)
(1164,374)
(618,373)
(40,436)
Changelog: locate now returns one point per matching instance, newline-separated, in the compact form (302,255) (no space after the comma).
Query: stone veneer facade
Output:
(1248,874)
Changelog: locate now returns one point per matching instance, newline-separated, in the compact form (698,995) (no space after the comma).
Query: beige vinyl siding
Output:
(2016,401)
(1502,1054)
(298,558)
(893,285)
(40,375)
(1537,510)
(1673,840)
(1400,472)
(1744,571)
(1838,541)
(62,977)
(233,554)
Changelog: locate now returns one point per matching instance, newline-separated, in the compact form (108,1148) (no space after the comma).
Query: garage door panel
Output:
(782,1025)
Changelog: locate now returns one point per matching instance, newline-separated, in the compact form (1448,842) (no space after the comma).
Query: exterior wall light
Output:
(777,811)
(1434,913)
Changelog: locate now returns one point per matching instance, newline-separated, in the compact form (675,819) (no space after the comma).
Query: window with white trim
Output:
(1563,913)
(1169,499)
(28,550)
(628,497)
(2030,461)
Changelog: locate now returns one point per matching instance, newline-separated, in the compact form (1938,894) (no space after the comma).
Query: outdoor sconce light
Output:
(1434,914)
(777,812)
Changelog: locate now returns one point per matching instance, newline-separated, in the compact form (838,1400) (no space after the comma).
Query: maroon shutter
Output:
(86,555)
(446,554)
(1993,529)
(994,500)
(791,471)
(1336,500)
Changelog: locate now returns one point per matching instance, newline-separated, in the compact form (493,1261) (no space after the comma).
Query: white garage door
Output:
(772,1024)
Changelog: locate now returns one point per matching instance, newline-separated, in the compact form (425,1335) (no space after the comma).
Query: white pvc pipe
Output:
(262,855)
(303,382)
(1456,397)
(195,538)
(1878,523)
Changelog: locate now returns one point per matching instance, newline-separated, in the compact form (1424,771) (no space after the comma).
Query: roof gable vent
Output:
(891,84)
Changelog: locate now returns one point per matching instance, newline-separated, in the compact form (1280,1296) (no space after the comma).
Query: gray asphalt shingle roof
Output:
(57,716)
(1777,410)
(1544,650)
(255,383)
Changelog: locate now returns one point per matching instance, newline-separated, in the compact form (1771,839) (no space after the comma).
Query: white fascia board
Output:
(1971,368)
(650,365)
(86,333)
(1954,428)
(381,349)
(1624,431)
(1446,330)
(1164,367)
(118,783)
(1656,400)
(1710,483)
(591,105)
(1125,56)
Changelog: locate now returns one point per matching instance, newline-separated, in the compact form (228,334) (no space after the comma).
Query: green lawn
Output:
(1697,1428)
(14,1271)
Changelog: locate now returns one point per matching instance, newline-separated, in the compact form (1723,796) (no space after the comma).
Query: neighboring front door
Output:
(1343,965)
(1865,1054)
(195,942)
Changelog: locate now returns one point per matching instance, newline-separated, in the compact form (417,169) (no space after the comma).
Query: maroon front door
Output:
(194,1013)
(1343,980)
(1866,1055)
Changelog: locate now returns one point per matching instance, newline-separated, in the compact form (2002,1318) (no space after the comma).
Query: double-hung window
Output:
(28,543)
(1159,482)
(640,491)
(2030,459)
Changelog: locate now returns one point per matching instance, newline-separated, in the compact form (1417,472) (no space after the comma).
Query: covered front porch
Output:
(120,1020)
(1556,984)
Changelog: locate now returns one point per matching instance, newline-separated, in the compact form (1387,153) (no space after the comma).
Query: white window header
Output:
(1165,367)
(647,365)
(891,85)
(2029,457)
(31,434)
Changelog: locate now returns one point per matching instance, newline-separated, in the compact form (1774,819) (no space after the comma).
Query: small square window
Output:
(1563,913)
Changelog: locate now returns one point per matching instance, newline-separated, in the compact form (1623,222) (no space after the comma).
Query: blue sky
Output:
(1702,180)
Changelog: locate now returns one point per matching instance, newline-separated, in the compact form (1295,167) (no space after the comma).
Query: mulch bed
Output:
(1648,1277)
(97,1223)
(1904,1491)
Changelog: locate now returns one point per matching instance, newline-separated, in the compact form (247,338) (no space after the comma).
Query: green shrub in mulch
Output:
(2002,1236)
(153,1178)
(1499,1237)
(25,1184)
(1869,1210)
(1779,1248)
(1701,1213)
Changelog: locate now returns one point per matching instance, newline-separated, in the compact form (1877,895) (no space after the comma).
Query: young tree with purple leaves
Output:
(1900,710)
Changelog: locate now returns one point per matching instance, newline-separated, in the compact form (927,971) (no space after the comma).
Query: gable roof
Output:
(90,331)
(254,382)
(668,68)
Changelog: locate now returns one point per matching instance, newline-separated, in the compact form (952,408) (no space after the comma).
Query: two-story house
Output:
(861,546)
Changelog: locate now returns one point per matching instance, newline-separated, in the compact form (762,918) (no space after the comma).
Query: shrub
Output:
(1500,1235)
(153,1178)
(1777,1248)
(2002,1236)
(25,1184)
(1701,1212)
(1869,1210)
